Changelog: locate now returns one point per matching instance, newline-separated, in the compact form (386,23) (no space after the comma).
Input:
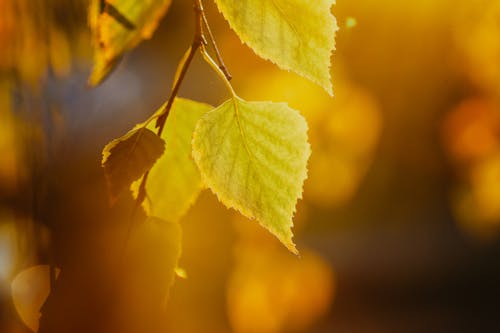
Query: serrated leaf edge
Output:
(230,203)
(327,86)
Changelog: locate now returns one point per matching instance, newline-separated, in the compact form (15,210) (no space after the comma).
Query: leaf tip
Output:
(293,248)
(286,239)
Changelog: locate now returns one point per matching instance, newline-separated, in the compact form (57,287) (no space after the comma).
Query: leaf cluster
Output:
(251,155)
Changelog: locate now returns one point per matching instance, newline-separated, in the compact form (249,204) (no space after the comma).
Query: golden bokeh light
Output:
(270,291)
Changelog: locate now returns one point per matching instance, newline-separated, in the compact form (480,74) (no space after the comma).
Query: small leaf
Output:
(127,158)
(118,26)
(297,35)
(174,182)
(253,156)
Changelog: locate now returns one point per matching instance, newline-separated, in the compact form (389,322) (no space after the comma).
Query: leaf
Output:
(296,35)
(118,26)
(253,156)
(153,251)
(127,158)
(174,182)
(30,288)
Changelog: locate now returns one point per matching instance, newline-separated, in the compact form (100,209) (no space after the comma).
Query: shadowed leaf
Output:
(127,158)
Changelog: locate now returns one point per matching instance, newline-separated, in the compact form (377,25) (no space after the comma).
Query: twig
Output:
(218,55)
(198,40)
(182,69)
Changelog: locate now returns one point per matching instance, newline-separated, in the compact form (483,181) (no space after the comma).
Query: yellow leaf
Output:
(297,35)
(253,156)
(127,158)
(118,27)
(174,182)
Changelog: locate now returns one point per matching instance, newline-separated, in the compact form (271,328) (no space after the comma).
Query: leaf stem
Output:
(234,97)
(217,70)
(218,55)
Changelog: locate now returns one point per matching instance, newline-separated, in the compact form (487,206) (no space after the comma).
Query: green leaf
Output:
(297,35)
(253,156)
(127,158)
(174,182)
(118,26)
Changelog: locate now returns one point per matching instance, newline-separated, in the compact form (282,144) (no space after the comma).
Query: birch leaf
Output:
(127,158)
(296,35)
(118,26)
(174,181)
(253,156)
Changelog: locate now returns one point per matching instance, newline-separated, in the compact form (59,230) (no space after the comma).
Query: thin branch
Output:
(198,41)
(182,70)
(213,44)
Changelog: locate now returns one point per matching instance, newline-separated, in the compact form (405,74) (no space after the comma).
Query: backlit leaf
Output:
(253,156)
(118,26)
(127,158)
(174,182)
(297,35)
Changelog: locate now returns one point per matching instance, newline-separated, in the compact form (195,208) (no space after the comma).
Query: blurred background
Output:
(399,228)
